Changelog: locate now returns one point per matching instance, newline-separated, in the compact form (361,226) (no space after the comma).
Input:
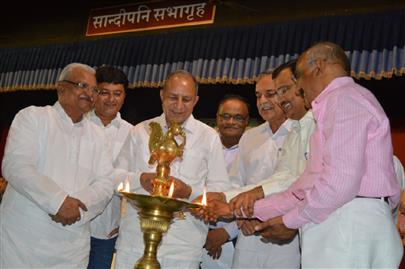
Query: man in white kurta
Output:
(111,86)
(202,165)
(259,151)
(232,119)
(59,170)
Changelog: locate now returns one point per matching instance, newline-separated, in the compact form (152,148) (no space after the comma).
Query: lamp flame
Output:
(127,188)
(171,190)
(204,198)
(120,187)
(123,188)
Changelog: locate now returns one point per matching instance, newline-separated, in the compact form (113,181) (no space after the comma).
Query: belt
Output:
(385,199)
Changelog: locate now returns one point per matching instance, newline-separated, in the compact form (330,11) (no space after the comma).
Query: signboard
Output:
(148,16)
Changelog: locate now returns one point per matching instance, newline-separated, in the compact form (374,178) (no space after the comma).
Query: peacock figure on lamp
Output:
(164,149)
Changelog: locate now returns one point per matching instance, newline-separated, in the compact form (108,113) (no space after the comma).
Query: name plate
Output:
(149,16)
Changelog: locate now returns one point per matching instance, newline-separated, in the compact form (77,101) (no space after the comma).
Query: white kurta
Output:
(259,151)
(225,260)
(292,160)
(48,157)
(116,133)
(202,165)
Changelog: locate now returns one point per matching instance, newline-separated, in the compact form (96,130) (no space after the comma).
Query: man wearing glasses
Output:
(111,86)
(259,151)
(59,178)
(232,119)
(342,201)
(295,150)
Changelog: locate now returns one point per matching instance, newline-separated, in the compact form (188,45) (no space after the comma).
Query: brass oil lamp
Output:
(156,211)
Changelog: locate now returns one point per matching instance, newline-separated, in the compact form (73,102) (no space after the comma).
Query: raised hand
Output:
(146,181)
(242,204)
(212,211)
(275,231)
(181,189)
(247,226)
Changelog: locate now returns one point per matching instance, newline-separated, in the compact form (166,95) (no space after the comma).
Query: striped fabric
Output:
(374,43)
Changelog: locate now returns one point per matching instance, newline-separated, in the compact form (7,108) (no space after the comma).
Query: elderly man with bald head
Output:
(342,201)
(202,165)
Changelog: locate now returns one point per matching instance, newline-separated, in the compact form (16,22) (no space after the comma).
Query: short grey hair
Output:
(183,73)
(67,70)
(265,73)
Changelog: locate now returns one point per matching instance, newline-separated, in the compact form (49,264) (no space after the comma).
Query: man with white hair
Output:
(58,172)
(202,165)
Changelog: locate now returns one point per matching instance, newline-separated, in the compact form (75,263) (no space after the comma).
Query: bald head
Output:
(318,66)
(181,74)
(330,52)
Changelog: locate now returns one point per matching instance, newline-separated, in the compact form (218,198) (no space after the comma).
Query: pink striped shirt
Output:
(350,155)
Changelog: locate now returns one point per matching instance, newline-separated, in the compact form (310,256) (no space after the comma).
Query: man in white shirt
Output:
(295,150)
(232,119)
(202,165)
(59,178)
(259,151)
(111,86)
(290,162)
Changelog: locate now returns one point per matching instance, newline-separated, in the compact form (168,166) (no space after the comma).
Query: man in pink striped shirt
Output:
(342,202)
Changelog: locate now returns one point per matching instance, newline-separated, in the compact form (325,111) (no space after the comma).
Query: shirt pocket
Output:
(193,167)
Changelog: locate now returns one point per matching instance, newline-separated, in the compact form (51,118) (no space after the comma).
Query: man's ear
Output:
(161,95)
(196,100)
(320,65)
(59,88)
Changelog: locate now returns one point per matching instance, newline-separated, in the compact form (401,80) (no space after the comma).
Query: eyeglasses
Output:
(237,117)
(81,85)
(283,89)
(267,94)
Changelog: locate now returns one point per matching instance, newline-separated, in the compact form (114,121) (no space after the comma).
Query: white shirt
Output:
(230,227)
(48,157)
(117,132)
(202,165)
(229,155)
(292,160)
(259,150)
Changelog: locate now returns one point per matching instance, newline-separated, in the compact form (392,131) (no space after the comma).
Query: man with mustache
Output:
(111,86)
(232,119)
(295,149)
(202,165)
(259,150)
(59,178)
(342,201)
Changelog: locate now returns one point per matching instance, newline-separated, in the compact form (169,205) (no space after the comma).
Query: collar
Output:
(64,116)
(332,86)
(231,148)
(308,116)
(188,125)
(94,118)
(284,128)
